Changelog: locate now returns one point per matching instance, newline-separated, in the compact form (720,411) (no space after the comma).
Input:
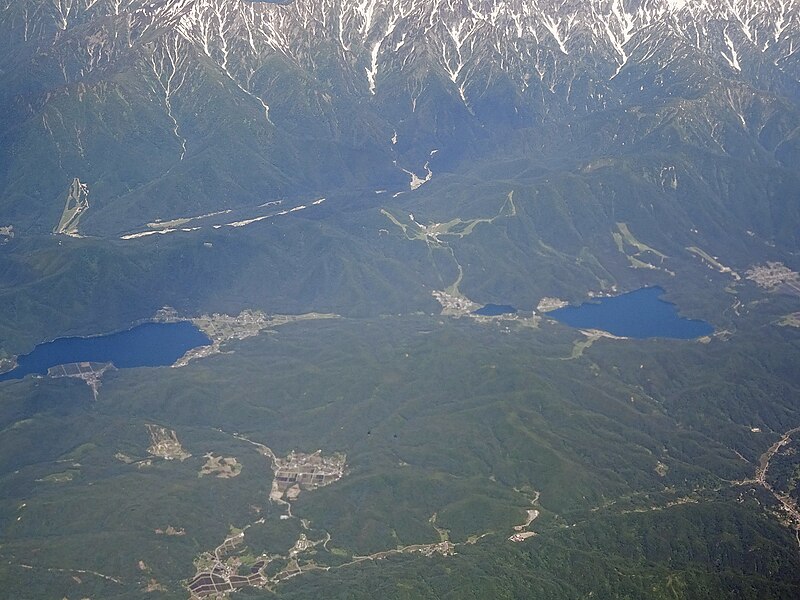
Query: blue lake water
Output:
(493,310)
(639,314)
(146,345)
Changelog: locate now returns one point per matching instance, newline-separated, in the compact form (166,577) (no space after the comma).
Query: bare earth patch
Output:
(165,444)
(222,467)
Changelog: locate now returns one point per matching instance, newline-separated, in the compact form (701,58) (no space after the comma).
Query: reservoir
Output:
(494,310)
(638,314)
(146,345)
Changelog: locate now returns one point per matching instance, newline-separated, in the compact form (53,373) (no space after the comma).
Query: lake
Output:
(638,314)
(493,310)
(146,345)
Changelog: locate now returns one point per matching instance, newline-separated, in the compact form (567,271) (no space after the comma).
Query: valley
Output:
(288,555)
(222,329)
(287,294)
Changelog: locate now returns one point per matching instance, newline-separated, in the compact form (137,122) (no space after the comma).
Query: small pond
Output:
(494,310)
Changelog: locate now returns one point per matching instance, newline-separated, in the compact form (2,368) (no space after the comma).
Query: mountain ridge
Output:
(325,96)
